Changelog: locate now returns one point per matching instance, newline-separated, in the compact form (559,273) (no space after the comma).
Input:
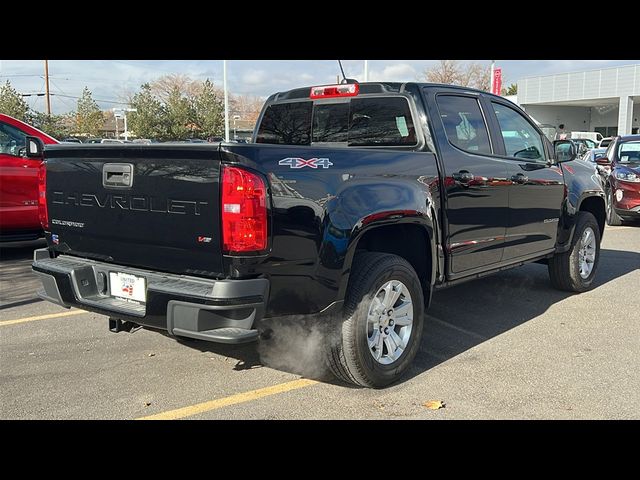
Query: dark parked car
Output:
(622,181)
(353,205)
(592,155)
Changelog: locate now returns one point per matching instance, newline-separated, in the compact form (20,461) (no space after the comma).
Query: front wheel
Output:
(381,328)
(575,269)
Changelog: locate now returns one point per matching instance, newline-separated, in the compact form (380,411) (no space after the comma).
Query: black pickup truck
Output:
(353,203)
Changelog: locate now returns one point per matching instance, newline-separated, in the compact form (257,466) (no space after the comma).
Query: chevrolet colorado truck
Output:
(354,203)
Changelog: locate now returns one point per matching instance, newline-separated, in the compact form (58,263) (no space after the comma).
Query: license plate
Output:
(130,287)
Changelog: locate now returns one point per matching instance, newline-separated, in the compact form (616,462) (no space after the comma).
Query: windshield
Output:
(629,152)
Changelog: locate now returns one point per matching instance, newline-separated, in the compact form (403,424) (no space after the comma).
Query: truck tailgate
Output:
(151,206)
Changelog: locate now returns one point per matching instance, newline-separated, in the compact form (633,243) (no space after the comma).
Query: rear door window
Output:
(463,123)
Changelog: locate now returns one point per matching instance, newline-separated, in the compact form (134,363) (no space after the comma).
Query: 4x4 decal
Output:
(296,162)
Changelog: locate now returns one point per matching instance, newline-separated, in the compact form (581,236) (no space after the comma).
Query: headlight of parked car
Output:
(628,177)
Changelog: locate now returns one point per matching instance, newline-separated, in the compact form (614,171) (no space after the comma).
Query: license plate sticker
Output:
(127,286)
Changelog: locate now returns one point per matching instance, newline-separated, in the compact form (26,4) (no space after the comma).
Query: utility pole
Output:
(46,86)
(366,70)
(226,101)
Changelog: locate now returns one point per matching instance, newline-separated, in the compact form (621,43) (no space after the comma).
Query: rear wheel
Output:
(575,269)
(382,321)
(613,218)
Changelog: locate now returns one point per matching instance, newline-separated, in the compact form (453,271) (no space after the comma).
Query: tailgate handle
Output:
(117,175)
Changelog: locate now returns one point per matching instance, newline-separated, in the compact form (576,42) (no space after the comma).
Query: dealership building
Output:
(605,101)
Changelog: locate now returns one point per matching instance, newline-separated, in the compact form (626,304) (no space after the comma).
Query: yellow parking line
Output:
(231,400)
(41,317)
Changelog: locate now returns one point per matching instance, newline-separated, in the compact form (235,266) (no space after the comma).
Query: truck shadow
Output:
(17,283)
(459,319)
(467,315)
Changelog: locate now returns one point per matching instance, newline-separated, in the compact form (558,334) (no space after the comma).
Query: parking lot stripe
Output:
(459,329)
(231,400)
(41,317)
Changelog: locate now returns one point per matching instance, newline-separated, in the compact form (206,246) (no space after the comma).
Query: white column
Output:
(366,70)
(625,116)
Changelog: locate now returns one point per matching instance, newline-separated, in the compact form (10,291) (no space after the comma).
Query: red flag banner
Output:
(496,81)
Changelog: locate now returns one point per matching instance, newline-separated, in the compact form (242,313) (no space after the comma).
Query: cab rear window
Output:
(375,121)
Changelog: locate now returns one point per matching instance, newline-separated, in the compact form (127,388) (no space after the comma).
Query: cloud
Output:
(254,77)
(398,72)
(305,77)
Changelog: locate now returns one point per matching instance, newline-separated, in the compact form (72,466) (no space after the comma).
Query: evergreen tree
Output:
(12,103)
(209,112)
(149,120)
(179,119)
(89,118)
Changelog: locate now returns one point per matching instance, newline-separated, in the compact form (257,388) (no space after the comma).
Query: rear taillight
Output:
(332,91)
(244,211)
(43,213)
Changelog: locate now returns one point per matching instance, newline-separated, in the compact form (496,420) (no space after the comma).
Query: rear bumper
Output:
(224,311)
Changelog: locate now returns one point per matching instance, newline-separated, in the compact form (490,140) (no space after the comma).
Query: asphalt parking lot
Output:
(508,346)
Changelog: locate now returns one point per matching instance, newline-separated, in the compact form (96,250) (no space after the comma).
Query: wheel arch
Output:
(595,204)
(590,201)
(411,238)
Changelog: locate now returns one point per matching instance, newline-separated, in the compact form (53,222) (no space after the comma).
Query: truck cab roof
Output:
(367,88)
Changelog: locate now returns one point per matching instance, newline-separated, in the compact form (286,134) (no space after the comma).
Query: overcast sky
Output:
(111,80)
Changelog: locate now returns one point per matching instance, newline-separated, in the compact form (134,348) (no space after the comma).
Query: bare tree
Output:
(246,106)
(167,85)
(447,71)
(454,72)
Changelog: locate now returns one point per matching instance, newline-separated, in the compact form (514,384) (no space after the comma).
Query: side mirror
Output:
(604,161)
(35,147)
(564,150)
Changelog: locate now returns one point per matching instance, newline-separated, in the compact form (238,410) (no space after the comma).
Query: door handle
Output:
(519,178)
(117,175)
(463,177)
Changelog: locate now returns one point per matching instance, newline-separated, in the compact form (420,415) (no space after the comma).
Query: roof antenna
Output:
(344,77)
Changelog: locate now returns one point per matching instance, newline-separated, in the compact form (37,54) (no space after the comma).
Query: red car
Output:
(622,182)
(18,181)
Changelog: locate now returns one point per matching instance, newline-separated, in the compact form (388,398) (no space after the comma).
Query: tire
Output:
(565,268)
(613,218)
(349,356)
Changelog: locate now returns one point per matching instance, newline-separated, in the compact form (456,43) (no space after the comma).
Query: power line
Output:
(64,93)
(21,75)
(96,99)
